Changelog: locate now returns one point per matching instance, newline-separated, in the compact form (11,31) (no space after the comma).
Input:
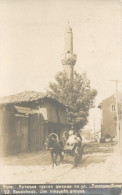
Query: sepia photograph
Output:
(60,93)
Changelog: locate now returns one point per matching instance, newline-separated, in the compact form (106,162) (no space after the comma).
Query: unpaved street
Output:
(99,164)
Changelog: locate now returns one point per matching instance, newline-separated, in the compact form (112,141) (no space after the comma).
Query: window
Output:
(113,108)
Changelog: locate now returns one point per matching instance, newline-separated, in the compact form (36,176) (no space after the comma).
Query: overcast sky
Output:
(32,41)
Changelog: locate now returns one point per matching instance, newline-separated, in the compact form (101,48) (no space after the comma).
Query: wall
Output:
(108,123)
(7,132)
(21,133)
(56,113)
(36,132)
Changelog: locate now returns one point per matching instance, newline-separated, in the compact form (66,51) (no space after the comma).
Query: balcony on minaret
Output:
(68,59)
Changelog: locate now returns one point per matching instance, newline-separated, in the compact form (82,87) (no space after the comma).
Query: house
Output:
(109,116)
(26,119)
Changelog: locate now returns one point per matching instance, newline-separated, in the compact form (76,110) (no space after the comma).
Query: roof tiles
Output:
(26,96)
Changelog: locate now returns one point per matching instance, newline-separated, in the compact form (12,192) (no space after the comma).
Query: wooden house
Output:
(26,119)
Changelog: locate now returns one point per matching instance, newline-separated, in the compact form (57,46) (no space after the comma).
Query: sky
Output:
(32,42)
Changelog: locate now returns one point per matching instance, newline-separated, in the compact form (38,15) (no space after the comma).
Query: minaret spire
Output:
(68,58)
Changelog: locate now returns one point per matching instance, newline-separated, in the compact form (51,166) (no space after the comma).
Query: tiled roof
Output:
(27,96)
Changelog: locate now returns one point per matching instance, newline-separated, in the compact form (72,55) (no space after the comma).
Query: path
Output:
(99,164)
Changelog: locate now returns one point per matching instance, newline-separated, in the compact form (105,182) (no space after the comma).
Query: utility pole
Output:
(117,111)
(94,129)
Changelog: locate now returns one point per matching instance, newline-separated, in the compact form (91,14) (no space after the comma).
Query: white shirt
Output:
(73,139)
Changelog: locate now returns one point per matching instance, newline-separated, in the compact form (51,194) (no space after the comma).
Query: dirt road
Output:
(99,164)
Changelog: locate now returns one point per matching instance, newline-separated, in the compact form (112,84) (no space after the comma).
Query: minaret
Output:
(68,59)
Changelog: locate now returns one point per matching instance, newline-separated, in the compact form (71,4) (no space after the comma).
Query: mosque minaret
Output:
(68,59)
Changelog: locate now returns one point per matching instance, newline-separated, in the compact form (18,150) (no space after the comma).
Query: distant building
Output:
(86,135)
(26,119)
(109,116)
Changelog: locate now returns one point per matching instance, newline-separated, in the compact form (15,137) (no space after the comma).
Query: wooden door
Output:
(36,132)
(21,134)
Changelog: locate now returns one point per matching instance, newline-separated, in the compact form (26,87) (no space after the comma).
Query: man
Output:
(73,143)
(79,138)
(78,135)
(73,139)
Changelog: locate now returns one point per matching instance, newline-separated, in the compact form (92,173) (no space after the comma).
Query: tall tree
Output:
(79,97)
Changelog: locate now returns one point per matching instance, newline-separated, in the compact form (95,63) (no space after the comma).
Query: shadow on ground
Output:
(91,153)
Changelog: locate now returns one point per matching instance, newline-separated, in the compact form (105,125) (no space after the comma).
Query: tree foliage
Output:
(79,97)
